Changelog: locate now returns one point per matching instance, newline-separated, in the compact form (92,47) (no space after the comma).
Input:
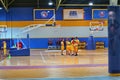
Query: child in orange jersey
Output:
(4,48)
(68,47)
(62,46)
(72,46)
(77,42)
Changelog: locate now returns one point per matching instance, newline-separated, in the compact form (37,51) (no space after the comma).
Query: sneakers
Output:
(61,54)
(76,54)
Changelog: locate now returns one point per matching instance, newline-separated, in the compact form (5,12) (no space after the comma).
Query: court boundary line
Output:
(53,66)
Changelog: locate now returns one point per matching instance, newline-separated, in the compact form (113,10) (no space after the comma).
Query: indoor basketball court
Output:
(59,39)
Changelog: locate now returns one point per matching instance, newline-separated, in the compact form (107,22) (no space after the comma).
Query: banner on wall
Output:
(43,14)
(99,14)
(73,14)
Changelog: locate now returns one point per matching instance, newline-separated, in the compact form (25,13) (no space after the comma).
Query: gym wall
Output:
(17,18)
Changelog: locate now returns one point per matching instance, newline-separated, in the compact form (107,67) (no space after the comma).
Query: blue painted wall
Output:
(17,14)
(36,43)
(26,14)
(59,14)
(42,43)
(87,13)
(3,15)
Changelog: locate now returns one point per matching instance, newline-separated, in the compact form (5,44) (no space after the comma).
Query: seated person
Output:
(50,42)
(19,45)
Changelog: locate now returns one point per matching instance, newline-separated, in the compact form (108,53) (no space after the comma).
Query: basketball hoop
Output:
(102,21)
(97,29)
(3,28)
(96,26)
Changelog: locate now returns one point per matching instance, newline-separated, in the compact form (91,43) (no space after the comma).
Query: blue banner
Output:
(43,14)
(100,14)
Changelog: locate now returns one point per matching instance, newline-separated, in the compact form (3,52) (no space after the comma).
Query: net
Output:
(3,31)
(3,28)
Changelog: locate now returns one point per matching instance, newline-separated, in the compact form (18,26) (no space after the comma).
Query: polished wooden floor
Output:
(49,63)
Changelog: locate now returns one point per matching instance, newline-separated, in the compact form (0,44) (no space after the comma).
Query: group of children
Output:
(71,46)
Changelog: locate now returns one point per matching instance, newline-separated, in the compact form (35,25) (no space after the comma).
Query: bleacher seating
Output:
(82,45)
(52,47)
(100,45)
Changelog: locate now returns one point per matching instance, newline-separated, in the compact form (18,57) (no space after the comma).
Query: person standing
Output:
(68,47)
(4,48)
(76,44)
(62,46)
(72,46)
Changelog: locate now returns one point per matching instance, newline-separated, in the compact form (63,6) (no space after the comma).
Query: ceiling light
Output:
(1,8)
(90,3)
(50,3)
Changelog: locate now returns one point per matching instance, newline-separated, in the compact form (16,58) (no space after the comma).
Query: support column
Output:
(114,39)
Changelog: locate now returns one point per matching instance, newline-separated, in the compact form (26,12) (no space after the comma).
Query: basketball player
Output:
(62,46)
(76,44)
(4,48)
(68,47)
(72,46)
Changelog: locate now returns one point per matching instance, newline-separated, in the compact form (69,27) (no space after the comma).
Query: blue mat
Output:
(21,52)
